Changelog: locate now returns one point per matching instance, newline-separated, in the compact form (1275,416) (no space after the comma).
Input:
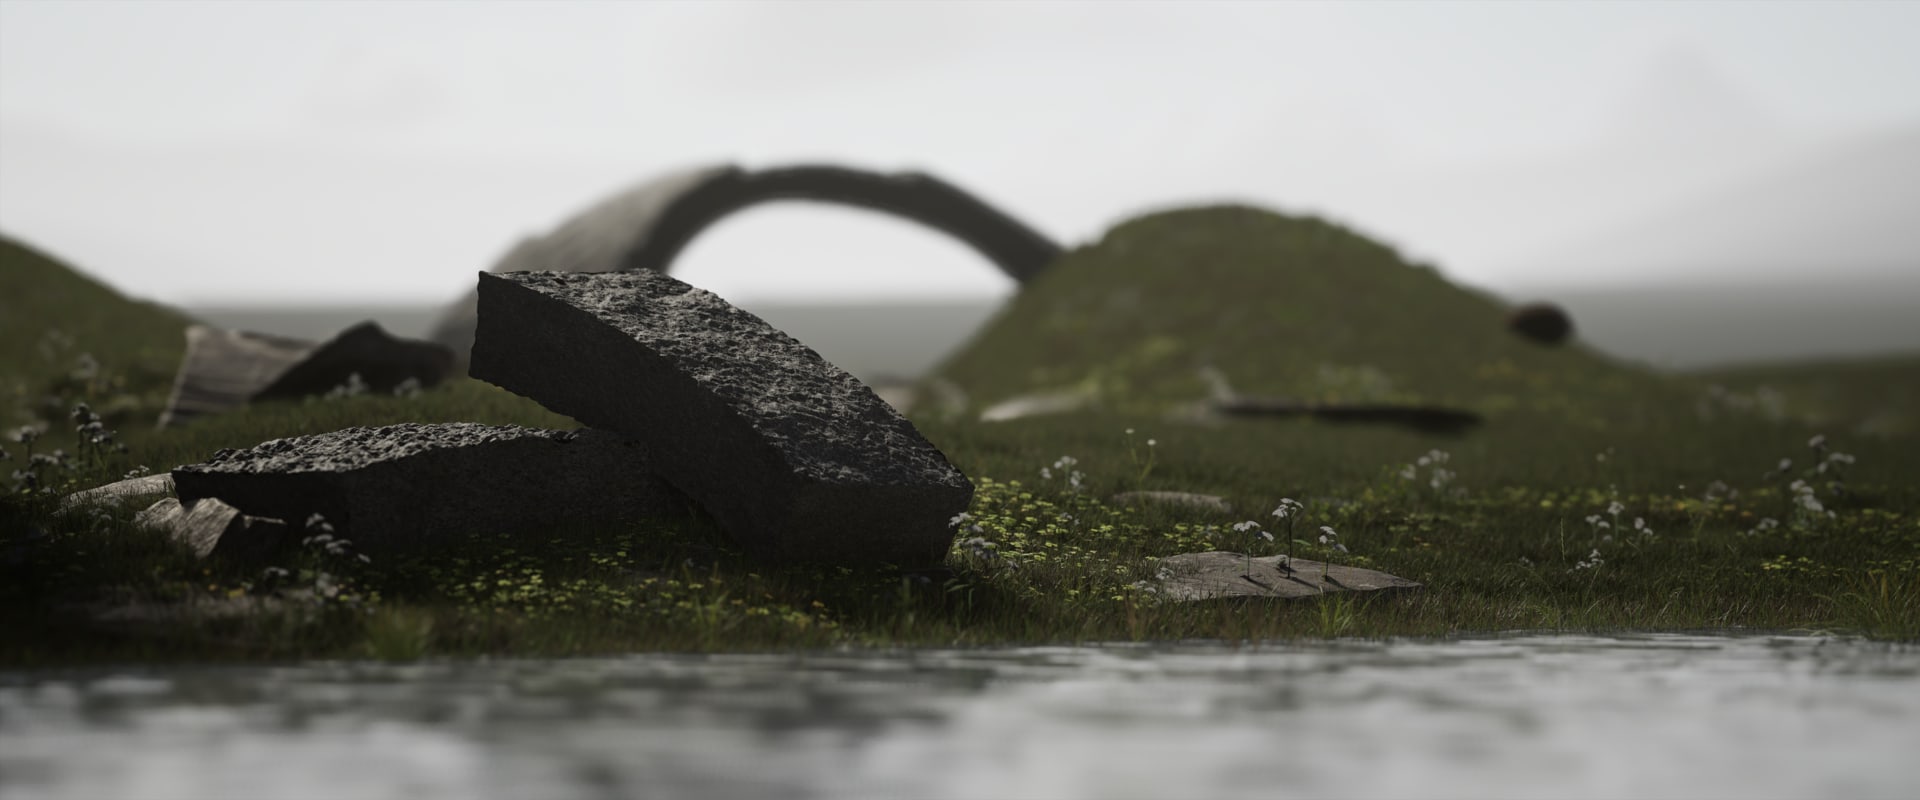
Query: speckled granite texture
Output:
(411,485)
(797,459)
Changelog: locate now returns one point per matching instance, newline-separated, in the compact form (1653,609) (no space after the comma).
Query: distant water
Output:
(1651,716)
(1674,327)
(872,340)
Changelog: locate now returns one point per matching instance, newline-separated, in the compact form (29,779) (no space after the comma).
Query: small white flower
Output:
(1151,443)
(957,519)
(1818,441)
(1129,431)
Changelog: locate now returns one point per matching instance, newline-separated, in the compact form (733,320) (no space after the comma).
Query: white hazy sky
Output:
(352,151)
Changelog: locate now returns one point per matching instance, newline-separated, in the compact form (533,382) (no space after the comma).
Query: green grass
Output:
(1282,305)
(1868,396)
(54,321)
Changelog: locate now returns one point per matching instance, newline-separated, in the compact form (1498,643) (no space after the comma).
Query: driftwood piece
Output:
(1216,575)
(1434,419)
(161,483)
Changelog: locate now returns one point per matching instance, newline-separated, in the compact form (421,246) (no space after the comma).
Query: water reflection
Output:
(1542,716)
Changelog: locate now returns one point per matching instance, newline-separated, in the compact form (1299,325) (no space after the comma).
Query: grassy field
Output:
(1597,496)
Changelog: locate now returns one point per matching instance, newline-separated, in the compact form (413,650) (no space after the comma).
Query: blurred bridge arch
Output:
(648,225)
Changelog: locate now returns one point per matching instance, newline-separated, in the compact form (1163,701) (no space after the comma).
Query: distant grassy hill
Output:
(51,315)
(1282,305)
(54,319)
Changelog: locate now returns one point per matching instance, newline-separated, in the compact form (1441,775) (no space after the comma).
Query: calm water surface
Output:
(1528,716)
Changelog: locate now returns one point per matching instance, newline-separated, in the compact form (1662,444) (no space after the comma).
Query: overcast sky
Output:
(353,151)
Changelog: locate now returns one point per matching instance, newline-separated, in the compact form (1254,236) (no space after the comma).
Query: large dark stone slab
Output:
(797,459)
(417,485)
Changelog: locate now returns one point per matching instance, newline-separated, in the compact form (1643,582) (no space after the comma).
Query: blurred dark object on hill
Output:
(1542,322)
(226,369)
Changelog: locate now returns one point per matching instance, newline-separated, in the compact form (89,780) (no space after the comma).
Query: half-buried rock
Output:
(795,458)
(1191,577)
(413,485)
(210,527)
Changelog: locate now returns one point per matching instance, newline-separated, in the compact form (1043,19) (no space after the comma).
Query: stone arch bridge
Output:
(646,227)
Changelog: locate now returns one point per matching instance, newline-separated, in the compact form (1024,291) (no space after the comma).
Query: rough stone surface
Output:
(414,485)
(211,527)
(646,226)
(794,457)
(161,483)
(1191,577)
(1202,502)
(1545,323)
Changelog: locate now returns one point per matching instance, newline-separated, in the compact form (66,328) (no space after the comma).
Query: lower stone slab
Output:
(1216,575)
(410,486)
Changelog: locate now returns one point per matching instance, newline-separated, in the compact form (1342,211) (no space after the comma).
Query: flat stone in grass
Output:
(795,458)
(417,485)
(211,527)
(1219,576)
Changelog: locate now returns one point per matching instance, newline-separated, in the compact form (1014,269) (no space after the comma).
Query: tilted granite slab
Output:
(795,458)
(1217,575)
(414,485)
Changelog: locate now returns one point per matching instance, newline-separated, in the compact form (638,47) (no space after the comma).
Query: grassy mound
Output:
(1288,306)
(58,328)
